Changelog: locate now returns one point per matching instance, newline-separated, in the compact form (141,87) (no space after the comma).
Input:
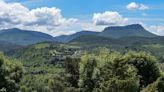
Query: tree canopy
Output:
(11,72)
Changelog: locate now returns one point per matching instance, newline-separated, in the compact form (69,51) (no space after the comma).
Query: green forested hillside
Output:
(88,63)
(43,53)
(6,46)
(129,41)
(51,67)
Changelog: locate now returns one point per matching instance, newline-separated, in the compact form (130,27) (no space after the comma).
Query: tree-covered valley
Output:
(82,62)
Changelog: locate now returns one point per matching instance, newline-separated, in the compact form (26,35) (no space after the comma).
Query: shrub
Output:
(11,72)
(146,66)
(157,86)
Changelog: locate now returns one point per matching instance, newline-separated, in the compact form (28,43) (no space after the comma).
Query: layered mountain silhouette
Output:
(109,34)
(134,30)
(23,37)
(67,38)
(126,31)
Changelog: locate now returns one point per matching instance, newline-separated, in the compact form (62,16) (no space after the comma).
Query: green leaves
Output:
(11,72)
(87,75)
(115,72)
(157,86)
(118,76)
(146,66)
(72,68)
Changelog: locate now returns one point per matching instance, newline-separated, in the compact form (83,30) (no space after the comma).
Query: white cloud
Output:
(136,6)
(108,18)
(143,7)
(159,30)
(88,25)
(78,26)
(132,6)
(51,21)
(42,19)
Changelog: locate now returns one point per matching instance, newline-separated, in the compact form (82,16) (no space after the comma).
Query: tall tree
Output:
(72,68)
(146,66)
(88,73)
(11,73)
(117,76)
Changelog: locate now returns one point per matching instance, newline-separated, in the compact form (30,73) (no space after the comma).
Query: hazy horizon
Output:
(62,17)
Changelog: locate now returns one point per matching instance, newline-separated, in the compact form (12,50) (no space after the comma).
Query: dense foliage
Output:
(11,72)
(54,67)
(157,86)
(89,62)
(113,72)
(146,66)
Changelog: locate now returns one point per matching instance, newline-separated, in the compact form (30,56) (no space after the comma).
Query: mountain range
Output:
(111,32)
(126,31)
(26,37)
(23,37)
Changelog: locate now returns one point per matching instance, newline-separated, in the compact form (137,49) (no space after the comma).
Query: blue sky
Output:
(71,8)
(152,17)
(86,7)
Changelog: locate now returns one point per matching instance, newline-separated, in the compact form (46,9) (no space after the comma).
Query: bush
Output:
(88,73)
(157,86)
(11,72)
(117,76)
(146,66)
(24,89)
(72,68)
(114,72)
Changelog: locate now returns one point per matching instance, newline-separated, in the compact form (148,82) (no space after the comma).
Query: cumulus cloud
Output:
(136,6)
(108,18)
(41,19)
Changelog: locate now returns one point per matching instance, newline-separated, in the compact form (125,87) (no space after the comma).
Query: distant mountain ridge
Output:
(134,30)
(67,38)
(26,37)
(23,37)
(126,31)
